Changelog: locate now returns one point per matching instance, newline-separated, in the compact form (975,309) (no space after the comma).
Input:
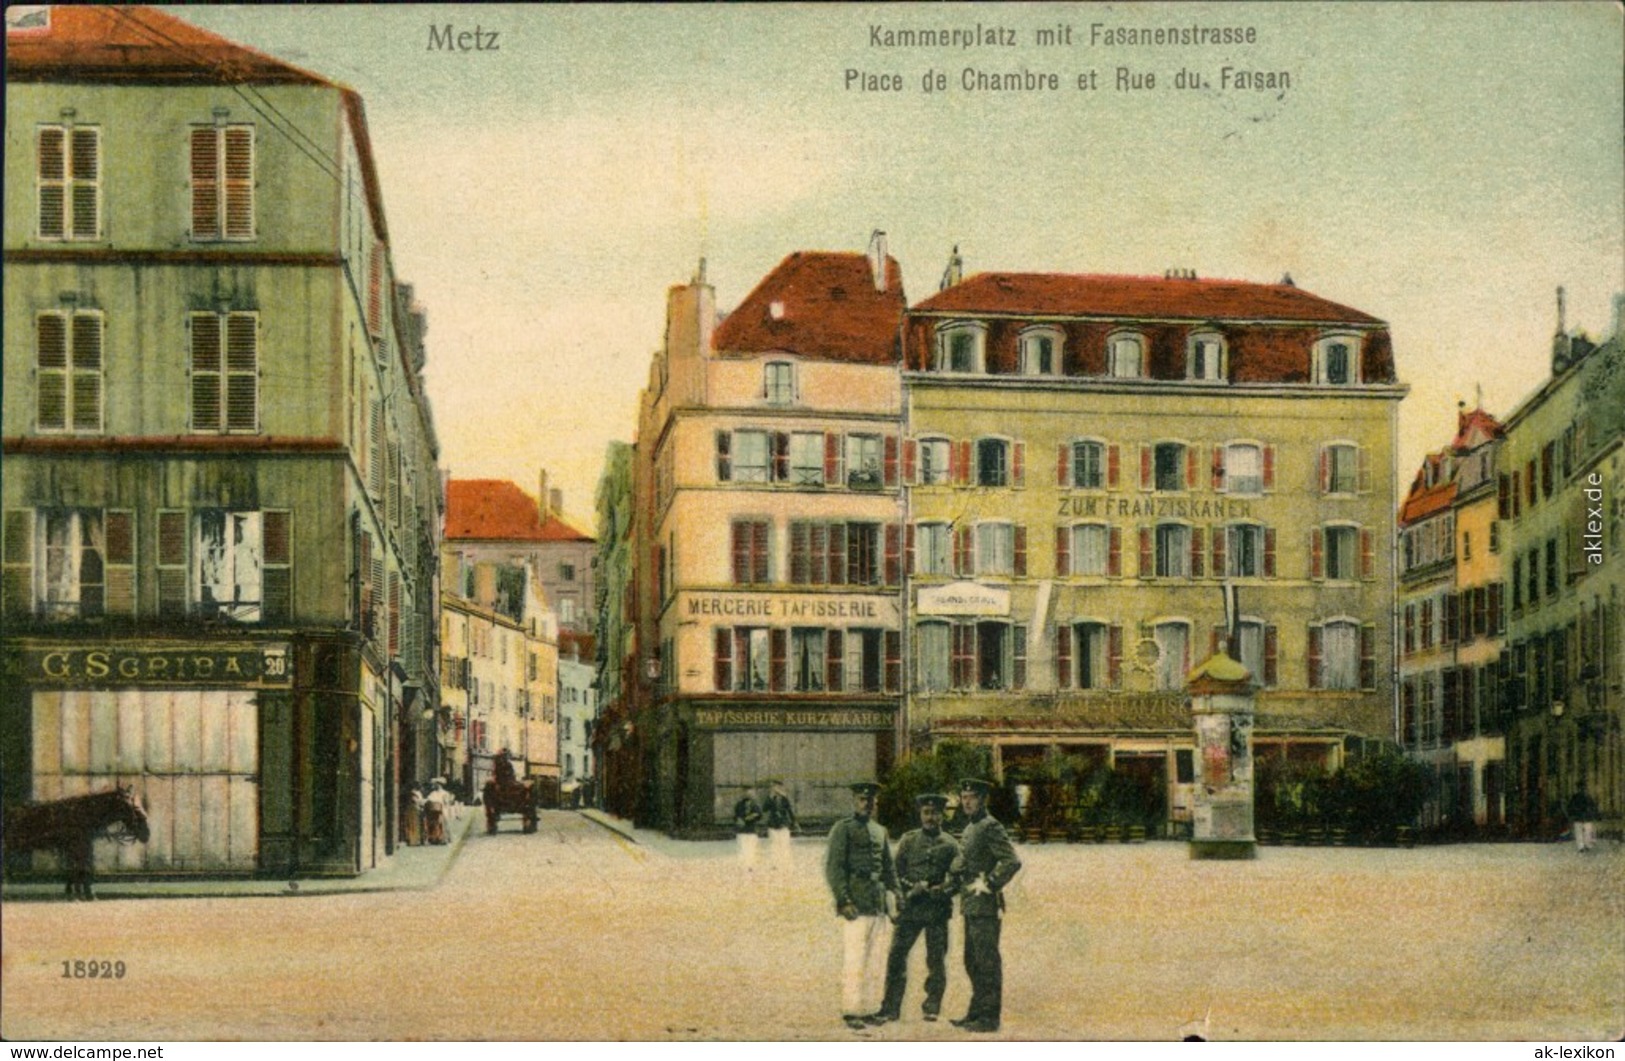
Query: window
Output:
(864,456)
(567,611)
(68,363)
(1342,655)
(1553,576)
(959,347)
(1168,466)
(750,457)
(1173,550)
(1243,469)
(225,372)
(1335,360)
(779,383)
(807,673)
(1086,549)
(1256,650)
(1343,469)
(995,655)
(933,657)
(240,565)
(1085,657)
(1173,654)
(84,561)
(1206,358)
(1244,551)
(996,549)
(1083,465)
(992,462)
(931,545)
(1040,352)
(807,458)
(222,172)
(1532,570)
(749,551)
(567,572)
(1125,357)
(70,190)
(745,658)
(1341,552)
(935,461)
(835,554)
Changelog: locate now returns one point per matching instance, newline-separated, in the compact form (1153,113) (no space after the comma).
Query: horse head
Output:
(133,816)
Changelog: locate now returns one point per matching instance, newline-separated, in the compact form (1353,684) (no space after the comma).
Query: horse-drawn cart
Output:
(70,827)
(506,794)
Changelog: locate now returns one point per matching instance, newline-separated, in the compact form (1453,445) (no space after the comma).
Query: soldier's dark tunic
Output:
(986,864)
(923,861)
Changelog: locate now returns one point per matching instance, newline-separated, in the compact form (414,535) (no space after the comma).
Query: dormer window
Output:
(1206,358)
(1040,352)
(779,382)
(960,347)
(1125,356)
(1336,360)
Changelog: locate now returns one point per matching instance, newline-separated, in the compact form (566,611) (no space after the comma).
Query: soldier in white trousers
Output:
(858,867)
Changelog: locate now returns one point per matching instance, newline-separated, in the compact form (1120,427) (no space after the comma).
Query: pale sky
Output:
(1444,167)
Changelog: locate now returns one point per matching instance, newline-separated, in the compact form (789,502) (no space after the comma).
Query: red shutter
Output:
(894,554)
(1368,554)
(740,550)
(800,567)
(1063,657)
(1269,552)
(1114,655)
(1218,468)
(889,466)
(832,459)
(834,669)
(1269,467)
(724,460)
(1145,467)
(837,554)
(1220,534)
(1146,567)
(1503,496)
(1018,464)
(1198,551)
(1021,550)
(724,666)
(1271,655)
(1325,470)
(778,650)
(1063,548)
(911,459)
(965,474)
(1190,467)
(1063,465)
(908,549)
(1314,658)
(1368,656)
(1114,464)
(1317,553)
(894,661)
(1114,552)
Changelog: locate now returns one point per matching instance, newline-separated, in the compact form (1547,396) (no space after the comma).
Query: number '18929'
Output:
(92,970)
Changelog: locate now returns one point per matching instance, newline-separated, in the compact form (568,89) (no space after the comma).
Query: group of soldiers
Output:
(771,818)
(909,893)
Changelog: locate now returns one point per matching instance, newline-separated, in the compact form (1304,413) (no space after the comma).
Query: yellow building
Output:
(1090,459)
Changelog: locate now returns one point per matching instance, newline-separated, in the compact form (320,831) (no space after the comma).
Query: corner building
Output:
(1089,459)
(770,464)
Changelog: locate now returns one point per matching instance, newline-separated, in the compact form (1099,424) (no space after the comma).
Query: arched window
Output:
(1125,355)
(1336,360)
(1040,353)
(1206,357)
(961,347)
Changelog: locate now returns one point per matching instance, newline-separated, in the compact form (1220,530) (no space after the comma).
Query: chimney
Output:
(542,495)
(1560,325)
(955,272)
(877,258)
(555,502)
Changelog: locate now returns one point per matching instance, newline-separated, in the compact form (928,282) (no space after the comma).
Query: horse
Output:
(70,826)
(514,797)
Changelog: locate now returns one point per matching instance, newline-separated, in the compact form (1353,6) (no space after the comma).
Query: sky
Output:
(1444,167)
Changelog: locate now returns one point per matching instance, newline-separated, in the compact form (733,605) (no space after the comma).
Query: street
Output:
(579,933)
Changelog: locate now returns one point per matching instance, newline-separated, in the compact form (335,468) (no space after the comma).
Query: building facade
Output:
(578,713)
(618,679)
(221,501)
(1089,460)
(769,463)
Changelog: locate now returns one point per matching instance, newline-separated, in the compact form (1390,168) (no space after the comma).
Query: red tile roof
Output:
(1066,295)
(137,43)
(829,309)
(497,510)
(1475,421)
(1424,500)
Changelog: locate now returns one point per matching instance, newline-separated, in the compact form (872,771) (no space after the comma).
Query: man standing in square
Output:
(858,867)
(924,858)
(985,865)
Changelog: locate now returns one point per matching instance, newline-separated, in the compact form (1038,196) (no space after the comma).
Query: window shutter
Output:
(894,661)
(1503,496)
(1269,467)
(1018,657)
(760,560)
(51,371)
(1114,552)
(1018,464)
(375,292)
(1317,553)
(724,457)
(86,385)
(1269,552)
(1368,554)
(206,372)
(1114,463)
(894,554)
(908,549)
(1325,470)
(394,613)
(1218,469)
(53,177)
(375,449)
(1368,656)
(242,372)
(1271,656)
(1199,550)
(832,459)
(962,551)
(964,657)
(86,173)
(1145,467)
(1363,459)
(1063,657)
(205,170)
(1114,655)
(818,554)
(1220,536)
(1146,566)
(239,182)
(911,460)
(1497,590)
(889,460)
(1190,467)
(800,566)
(834,669)
(723,661)
(778,641)
(1314,675)
(781,457)
(1021,550)
(1063,464)
(965,475)
(17,581)
(119,553)
(173,577)
(741,552)
(1063,546)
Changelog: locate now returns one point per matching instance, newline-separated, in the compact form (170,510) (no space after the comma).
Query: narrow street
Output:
(579,933)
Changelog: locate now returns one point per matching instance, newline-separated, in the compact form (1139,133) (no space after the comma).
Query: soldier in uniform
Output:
(858,867)
(985,865)
(780,818)
(748,825)
(924,859)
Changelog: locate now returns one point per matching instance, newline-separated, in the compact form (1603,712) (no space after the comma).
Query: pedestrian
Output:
(924,861)
(985,865)
(414,817)
(747,821)
(1583,818)
(780,818)
(858,867)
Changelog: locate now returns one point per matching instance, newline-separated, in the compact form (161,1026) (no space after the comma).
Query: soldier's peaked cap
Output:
(864,788)
(931,799)
(975,784)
